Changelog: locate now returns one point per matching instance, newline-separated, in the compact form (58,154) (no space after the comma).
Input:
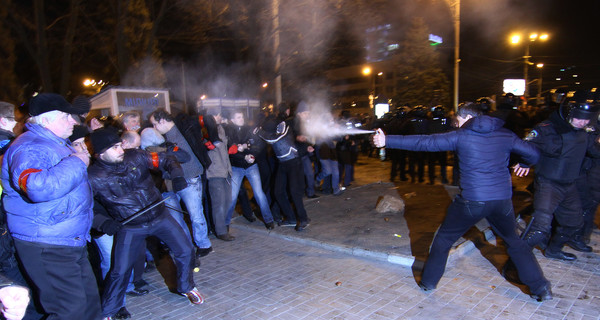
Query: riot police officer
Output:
(439,123)
(418,124)
(396,126)
(563,143)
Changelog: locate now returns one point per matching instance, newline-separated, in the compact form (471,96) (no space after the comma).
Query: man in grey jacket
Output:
(218,175)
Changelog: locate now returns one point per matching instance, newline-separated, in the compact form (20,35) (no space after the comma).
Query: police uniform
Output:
(563,149)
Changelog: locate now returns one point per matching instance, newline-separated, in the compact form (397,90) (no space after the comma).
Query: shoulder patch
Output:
(531,135)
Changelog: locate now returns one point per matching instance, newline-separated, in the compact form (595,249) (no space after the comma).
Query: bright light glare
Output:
(533,36)
(202,97)
(515,38)
(540,65)
(87,82)
(264,85)
(366,71)
(544,37)
(380,74)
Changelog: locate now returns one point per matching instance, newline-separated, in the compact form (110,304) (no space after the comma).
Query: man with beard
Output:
(122,183)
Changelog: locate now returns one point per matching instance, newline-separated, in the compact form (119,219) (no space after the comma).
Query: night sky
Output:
(487,56)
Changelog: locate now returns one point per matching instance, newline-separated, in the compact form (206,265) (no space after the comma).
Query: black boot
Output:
(543,295)
(537,238)
(554,249)
(578,244)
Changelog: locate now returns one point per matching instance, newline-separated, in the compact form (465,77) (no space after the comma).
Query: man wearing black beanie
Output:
(122,183)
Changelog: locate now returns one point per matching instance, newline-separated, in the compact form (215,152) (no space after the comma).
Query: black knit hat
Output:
(46,102)
(79,132)
(104,138)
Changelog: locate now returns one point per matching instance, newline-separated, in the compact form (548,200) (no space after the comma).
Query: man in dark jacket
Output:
(122,183)
(241,142)
(48,203)
(563,143)
(483,148)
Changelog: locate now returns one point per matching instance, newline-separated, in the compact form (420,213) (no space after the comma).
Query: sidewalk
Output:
(348,264)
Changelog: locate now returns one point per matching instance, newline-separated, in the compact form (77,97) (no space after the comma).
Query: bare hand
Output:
(249,158)
(379,138)
(310,149)
(520,171)
(84,156)
(14,302)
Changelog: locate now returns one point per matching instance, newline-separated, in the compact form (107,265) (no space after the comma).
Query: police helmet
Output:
(419,112)
(508,101)
(485,104)
(438,112)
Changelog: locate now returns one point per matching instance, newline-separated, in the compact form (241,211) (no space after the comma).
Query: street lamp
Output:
(539,93)
(367,71)
(516,39)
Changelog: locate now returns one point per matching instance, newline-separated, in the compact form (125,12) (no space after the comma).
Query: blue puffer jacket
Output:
(483,148)
(47,195)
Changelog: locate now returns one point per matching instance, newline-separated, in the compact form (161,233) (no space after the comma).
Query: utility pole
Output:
(276,53)
(455,9)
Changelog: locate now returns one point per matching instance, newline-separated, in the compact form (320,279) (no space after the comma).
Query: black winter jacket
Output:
(127,187)
(483,148)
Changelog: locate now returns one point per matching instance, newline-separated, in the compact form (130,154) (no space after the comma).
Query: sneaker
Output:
(122,314)
(288,224)
(194,296)
(270,226)
(302,225)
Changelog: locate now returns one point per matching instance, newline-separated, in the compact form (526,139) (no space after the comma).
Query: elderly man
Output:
(122,183)
(483,148)
(48,202)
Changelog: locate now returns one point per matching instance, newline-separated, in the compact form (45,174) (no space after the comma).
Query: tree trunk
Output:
(68,47)
(42,44)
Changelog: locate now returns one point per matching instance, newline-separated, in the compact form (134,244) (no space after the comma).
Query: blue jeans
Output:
(192,197)
(462,215)
(253,175)
(105,247)
(174,209)
(330,167)
(309,175)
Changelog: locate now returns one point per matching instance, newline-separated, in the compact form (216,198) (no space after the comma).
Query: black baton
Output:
(139,213)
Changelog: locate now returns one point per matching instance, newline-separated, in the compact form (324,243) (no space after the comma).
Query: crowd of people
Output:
(90,202)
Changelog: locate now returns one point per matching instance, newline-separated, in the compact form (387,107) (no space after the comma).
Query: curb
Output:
(403,260)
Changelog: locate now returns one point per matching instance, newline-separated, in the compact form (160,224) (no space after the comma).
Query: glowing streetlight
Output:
(517,38)
(87,82)
(366,71)
(264,85)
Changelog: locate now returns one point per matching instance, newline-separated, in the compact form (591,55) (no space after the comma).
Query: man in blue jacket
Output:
(48,203)
(483,148)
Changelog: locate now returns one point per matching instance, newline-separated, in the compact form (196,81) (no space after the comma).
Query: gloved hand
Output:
(110,227)
(179,184)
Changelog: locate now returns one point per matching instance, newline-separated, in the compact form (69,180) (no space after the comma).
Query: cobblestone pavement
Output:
(283,275)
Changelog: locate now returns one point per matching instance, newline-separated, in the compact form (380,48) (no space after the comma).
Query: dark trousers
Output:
(442,159)
(219,190)
(416,158)
(290,175)
(462,215)
(556,201)
(129,242)
(398,158)
(63,277)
